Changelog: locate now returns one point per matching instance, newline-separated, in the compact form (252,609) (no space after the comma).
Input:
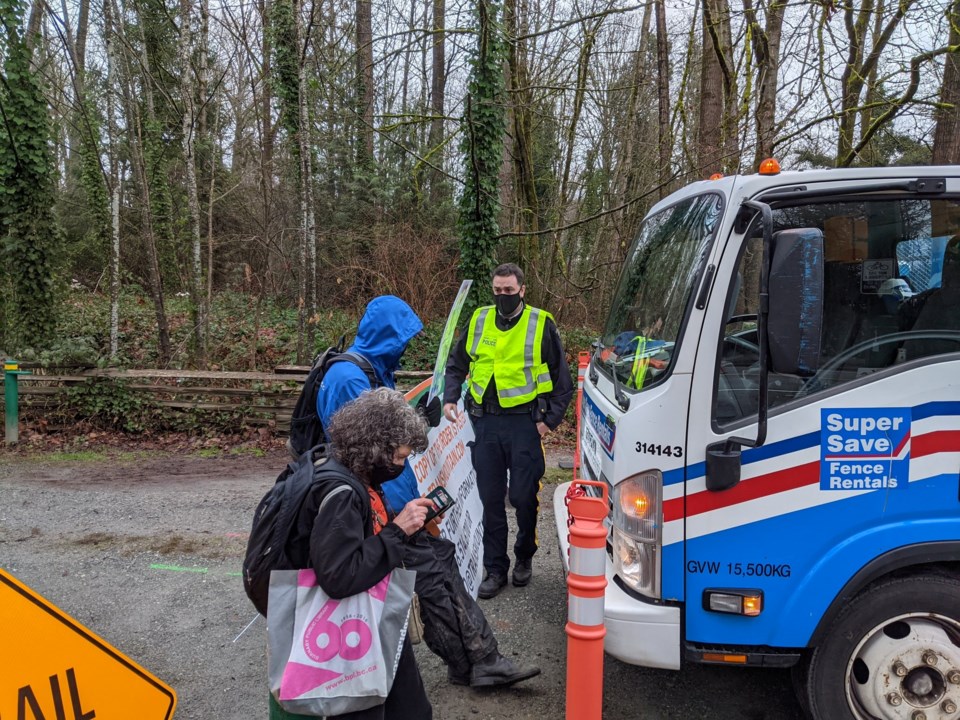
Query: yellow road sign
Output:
(53,668)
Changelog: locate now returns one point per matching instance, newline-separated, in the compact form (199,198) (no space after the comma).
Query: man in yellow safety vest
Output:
(518,391)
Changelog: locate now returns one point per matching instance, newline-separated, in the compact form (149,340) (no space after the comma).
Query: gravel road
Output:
(146,552)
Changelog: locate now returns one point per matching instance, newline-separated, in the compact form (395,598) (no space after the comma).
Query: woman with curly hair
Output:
(353,544)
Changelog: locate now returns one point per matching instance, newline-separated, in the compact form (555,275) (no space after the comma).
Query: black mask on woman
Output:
(384,473)
(507,304)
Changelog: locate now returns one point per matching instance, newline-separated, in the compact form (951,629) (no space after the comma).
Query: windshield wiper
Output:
(623,400)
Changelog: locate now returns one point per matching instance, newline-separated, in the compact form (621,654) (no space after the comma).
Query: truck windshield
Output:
(659,274)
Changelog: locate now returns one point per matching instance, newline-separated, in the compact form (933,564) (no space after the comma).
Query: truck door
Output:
(861,452)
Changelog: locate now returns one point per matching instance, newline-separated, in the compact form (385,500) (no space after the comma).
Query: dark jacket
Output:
(339,544)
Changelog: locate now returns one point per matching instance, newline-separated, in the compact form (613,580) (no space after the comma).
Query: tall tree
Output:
(365,86)
(483,126)
(188,129)
(946,137)
(438,87)
(664,137)
(290,82)
(29,231)
(766,49)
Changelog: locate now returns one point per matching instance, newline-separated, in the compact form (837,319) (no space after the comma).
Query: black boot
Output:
(499,671)
(522,571)
(492,586)
(458,678)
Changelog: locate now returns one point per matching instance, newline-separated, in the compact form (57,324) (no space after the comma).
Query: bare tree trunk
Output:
(520,123)
(109,41)
(859,67)
(83,24)
(946,136)
(210,203)
(266,130)
(138,161)
(766,46)
(709,131)
(438,86)
(869,154)
(35,22)
(308,242)
(189,127)
(664,136)
(716,17)
(365,85)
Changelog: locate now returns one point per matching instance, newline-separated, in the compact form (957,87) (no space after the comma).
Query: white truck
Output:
(774,405)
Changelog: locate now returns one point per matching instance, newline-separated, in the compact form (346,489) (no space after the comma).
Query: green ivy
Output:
(484,123)
(109,402)
(284,77)
(30,239)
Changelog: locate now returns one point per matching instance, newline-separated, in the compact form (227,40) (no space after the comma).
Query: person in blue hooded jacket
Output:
(455,628)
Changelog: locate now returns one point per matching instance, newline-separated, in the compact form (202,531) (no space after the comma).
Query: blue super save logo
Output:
(602,426)
(864,448)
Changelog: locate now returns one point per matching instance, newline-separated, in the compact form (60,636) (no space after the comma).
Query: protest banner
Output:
(447,462)
(446,340)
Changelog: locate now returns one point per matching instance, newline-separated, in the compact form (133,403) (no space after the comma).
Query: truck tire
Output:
(893,652)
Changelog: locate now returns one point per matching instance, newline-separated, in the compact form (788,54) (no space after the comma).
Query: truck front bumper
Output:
(638,632)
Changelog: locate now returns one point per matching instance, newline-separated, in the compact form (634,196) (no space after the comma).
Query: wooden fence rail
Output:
(255,398)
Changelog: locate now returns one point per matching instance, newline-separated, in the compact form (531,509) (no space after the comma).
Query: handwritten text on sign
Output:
(448,462)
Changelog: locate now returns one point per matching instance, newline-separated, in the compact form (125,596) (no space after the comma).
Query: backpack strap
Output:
(332,471)
(361,362)
(336,491)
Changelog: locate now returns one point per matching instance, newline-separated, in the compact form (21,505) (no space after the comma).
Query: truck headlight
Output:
(637,510)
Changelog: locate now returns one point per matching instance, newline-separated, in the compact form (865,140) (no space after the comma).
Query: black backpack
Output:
(306,430)
(269,547)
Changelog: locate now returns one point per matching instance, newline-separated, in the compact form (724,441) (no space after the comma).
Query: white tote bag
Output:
(327,656)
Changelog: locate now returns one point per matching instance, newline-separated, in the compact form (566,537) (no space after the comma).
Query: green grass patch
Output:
(249,452)
(78,456)
(555,475)
(209,453)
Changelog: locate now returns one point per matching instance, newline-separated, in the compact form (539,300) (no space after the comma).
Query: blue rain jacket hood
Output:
(386,328)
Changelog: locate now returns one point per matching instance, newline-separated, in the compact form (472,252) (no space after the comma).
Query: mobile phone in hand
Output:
(441,499)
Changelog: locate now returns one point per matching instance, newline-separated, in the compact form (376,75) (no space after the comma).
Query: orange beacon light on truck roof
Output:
(770,166)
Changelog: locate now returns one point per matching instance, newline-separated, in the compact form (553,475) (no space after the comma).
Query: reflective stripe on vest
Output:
(513,357)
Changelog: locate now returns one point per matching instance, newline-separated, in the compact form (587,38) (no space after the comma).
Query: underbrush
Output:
(247,333)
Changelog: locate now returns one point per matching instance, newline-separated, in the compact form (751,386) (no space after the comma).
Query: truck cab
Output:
(774,405)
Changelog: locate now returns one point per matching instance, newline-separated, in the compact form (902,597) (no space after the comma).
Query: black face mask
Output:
(381,474)
(507,304)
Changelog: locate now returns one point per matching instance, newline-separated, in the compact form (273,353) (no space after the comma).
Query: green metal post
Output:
(11,398)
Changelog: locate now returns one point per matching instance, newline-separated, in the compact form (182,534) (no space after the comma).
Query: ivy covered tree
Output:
(484,122)
(29,234)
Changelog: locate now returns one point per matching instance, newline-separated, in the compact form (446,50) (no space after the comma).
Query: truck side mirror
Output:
(796,301)
(723,465)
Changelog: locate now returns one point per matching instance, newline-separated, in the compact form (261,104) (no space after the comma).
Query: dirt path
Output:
(146,553)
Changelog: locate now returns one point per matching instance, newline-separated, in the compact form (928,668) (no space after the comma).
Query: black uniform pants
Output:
(508,443)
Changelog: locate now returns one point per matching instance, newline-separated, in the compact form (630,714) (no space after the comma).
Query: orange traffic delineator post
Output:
(586,584)
(583,362)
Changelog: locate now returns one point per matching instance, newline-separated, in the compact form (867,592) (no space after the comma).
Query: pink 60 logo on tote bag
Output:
(324,639)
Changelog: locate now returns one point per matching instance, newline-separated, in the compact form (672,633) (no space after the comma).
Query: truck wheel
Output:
(892,654)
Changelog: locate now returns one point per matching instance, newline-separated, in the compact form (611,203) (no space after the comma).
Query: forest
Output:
(183,178)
